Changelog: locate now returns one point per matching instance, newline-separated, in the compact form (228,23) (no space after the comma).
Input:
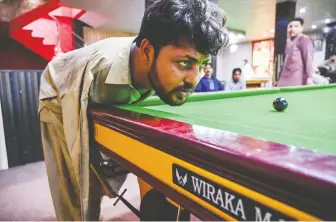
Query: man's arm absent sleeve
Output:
(307,49)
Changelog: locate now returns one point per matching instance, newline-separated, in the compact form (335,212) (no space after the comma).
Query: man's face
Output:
(333,58)
(294,28)
(208,70)
(175,72)
(236,76)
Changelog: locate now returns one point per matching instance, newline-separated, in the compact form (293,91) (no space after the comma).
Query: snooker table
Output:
(229,155)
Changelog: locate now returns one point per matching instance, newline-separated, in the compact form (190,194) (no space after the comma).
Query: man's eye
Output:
(201,67)
(185,64)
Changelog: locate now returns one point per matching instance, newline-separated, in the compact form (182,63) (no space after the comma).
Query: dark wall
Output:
(285,11)
(78,29)
(19,99)
(13,55)
(19,91)
(331,41)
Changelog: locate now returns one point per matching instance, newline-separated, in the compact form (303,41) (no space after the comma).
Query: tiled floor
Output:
(25,195)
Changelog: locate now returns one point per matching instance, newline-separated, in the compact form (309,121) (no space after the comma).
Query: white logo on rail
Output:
(182,180)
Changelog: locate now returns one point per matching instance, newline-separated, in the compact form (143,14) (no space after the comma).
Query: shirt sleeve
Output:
(243,85)
(103,93)
(221,86)
(307,49)
(199,87)
(227,86)
(97,86)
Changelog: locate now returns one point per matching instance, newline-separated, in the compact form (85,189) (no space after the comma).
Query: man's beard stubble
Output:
(167,97)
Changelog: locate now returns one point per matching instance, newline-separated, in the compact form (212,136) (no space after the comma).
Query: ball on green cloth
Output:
(280,104)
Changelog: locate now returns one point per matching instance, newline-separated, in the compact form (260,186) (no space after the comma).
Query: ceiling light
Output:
(326,30)
(314,26)
(233,48)
(302,10)
(271,30)
(233,38)
(327,21)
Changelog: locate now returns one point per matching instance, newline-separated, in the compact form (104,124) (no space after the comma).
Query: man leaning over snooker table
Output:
(175,41)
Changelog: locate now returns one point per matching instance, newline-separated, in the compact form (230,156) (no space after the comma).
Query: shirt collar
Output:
(119,72)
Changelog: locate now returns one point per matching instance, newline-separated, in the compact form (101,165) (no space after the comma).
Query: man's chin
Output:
(178,102)
(174,99)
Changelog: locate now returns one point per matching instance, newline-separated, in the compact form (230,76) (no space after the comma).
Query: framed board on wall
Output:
(262,57)
(318,43)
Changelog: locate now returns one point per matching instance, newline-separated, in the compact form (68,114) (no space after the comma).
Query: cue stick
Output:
(178,213)
(128,204)
(120,197)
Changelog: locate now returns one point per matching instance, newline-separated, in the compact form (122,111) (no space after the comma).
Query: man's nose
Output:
(192,77)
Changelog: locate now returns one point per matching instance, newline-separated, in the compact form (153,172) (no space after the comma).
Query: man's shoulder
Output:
(229,82)
(114,41)
(108,45)
(203,78)
(305,38)
(216,80)
(109,49)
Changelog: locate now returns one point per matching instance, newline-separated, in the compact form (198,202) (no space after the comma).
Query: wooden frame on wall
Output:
(91,35)
(270,51)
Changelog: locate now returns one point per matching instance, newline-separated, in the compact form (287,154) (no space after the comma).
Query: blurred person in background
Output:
(247,71)
(318,79)
(330,64)
(208,82)
(297,68)
(328,69)
(235,83)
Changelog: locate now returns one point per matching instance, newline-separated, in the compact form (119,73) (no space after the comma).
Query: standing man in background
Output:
(209,83)
(297,68)
(247,71)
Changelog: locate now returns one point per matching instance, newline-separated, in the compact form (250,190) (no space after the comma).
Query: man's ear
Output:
(147,51)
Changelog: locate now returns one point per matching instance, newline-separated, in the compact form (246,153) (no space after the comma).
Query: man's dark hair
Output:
(208,64)
(298,19)
(170,22)
(235,70)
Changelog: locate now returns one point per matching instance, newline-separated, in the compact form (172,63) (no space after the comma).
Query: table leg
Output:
(156,207)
